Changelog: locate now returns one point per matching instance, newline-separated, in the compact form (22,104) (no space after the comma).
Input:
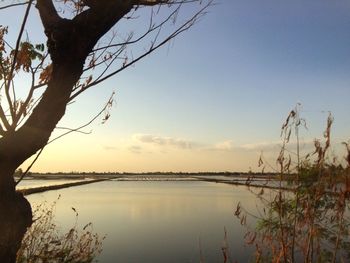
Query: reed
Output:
(44,242)
(311,221)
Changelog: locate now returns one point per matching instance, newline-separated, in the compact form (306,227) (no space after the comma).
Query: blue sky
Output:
(227,83)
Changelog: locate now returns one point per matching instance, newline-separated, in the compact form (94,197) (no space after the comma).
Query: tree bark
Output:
(15,216)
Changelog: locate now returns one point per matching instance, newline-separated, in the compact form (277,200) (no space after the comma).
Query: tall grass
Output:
(309,222)
(44,242)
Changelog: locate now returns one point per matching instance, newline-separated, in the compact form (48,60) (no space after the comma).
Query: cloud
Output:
(276,145)
(135,149)
(265,146)
(164,141)
(167,142)
(228,146)
(140,144)
(223,146)
(110,148)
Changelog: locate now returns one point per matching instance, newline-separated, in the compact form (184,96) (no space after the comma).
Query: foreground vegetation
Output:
(311,221)
(44,241)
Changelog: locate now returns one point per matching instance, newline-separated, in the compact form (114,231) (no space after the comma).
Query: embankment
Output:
(41,189)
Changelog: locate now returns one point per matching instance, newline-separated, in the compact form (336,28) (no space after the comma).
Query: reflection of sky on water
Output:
(29,183)
(157,221)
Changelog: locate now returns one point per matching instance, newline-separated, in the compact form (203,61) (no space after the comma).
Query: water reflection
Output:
(157,221)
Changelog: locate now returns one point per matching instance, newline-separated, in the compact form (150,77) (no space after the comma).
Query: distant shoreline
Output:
(42,189)
(96,175)
(243,180)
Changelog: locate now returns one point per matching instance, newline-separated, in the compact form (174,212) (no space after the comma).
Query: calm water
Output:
(153,222)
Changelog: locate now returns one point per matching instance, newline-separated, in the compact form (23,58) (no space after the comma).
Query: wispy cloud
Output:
(223,146)
(109,148)
(276,145)
(265,146)
(164,141)
(306,145)
(135,149)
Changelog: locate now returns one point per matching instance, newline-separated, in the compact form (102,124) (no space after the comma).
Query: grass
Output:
(311,221)
(44,242)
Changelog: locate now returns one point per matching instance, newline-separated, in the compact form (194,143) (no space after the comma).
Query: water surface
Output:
(154,221)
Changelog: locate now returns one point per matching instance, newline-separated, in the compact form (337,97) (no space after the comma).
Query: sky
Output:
(215,98)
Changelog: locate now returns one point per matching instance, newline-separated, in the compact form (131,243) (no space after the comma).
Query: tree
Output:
(77,56)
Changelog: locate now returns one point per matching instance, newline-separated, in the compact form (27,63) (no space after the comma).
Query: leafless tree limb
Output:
(13,5)
(107,106)
(185,26)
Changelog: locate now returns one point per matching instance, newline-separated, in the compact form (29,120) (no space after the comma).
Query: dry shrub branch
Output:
(44,241)
(308,218)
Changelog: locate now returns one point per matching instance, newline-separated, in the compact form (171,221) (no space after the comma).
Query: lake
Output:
(157,221)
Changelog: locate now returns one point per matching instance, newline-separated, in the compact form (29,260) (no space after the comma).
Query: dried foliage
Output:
(225,248)
(45,243)
(308,218)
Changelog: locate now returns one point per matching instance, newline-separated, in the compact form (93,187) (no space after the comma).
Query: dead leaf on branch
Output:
(45,74)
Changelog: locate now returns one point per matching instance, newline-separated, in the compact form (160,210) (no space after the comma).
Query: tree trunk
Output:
(16,147)
(15,215)
(69,43)
(19,145)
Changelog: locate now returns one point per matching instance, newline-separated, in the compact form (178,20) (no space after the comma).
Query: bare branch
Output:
(2,132)
(7,88)
(108,104)
(30,166)
(30,108)
(151,28)
(185,26)
(33,87)
(73,130)
(13,5)
(66,133)
(2,113)
(116,55)
(162,2)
